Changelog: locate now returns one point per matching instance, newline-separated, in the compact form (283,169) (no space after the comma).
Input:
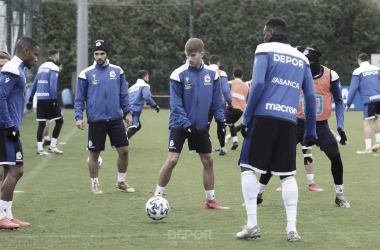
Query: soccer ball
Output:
(100,161)
(157,208)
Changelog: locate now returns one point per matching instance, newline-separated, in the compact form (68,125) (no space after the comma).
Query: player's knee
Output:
(307,155)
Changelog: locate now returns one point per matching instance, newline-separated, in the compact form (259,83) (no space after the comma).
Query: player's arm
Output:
(310,105)
(147,97)
(80,97)
(124,95)
(53,84)
(226,90)
(258,80)
(176,103)
(34,88)
(339,109)
(7,82)
(354,85)
(217,104)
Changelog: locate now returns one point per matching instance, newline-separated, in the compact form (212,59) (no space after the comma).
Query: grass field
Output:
(56,197)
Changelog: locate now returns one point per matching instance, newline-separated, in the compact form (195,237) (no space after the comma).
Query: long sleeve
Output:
(218,105)
(354,85)
(310,106)
(6,85)
(176,104)
(124,96)
(339,108)
(80,98)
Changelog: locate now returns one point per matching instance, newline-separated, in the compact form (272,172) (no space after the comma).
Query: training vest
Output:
(239,93)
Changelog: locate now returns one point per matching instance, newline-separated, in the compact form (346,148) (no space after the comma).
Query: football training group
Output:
(287,101)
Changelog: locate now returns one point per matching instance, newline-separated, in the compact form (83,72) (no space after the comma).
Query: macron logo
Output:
(281,108)
(7,79)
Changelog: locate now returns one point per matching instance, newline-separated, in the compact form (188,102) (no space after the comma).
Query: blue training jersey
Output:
(139,93)
(45,82)
(279,73)
(12,87)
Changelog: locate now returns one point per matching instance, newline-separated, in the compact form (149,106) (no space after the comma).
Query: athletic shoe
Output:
(5,223)
(249,233)
(223,151)
(96,190)
(315,188)
(217,149)
(260,199)
(279,189)
(235,145)
(341,201)
(55,150)
(46,143)
(212,204)
(42,152)
(293,236)
(376,147)
(227,138)
(125,187)
(365,151)
(20,223)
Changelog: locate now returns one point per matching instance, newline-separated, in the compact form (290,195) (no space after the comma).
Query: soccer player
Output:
(269,123)
(12,87)
(194,90)
(139,93)
(45,85)
(214,63)
(239,94)
(366,80)
(327,86)
(104,113)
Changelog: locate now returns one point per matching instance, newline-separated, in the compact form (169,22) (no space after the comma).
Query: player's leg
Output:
(376,128)
(309,166)
(236,114)
(55,114)
(135,126)
(93,168)
(263,182)
(46,134)
(369,115)
(221,138)
(1,174)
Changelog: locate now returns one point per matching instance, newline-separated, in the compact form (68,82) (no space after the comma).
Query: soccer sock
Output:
(3,208)
(40,146)
(9,210)
(46,138)
(368,143)
(95,181)
(121,176)
(339,189)
(159,191)
(290,197)
(250,190)
(377,137)
(261,188)
(210,194)
(53,142)
(310,178)
(235,139)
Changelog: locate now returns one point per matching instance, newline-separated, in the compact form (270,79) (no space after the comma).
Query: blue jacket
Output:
(193,91)
(366,80)
(103,89)
(279,74)
(12,87)
(139,93)
(45,82)
(226,87)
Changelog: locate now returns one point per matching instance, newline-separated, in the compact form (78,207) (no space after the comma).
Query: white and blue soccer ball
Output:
(157,208)
(100,161)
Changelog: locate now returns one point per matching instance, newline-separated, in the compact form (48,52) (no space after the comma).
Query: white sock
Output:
(46,138)
(368,143)
(159,191)
(377,137)
(261,188)
(310,178)
(235,139)
(250,190)
(121,177)
(290,197)
(95,181)
(40,147)
(210,194)
(339,189)
(3,208)
(9,210)
(53,142)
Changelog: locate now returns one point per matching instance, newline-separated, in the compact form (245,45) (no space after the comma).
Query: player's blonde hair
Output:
(194,45)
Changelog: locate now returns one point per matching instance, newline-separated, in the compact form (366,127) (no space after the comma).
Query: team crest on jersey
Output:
(94,81)
(112,74)
(90,145)
(207,80)
(18,156)
(188,85)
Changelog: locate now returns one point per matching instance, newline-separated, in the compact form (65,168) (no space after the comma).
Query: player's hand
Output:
(191,131)
(55,103)
(243,130)
(230,107)
(347,108)
(80,124)
(221,128)
(157,108)
(29,105)
(343,137)
(308,142)
(128,119)
(13,133)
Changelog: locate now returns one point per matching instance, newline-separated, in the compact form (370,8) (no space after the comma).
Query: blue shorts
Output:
(46,111)
(270,146)
(135,121)
(10,151)
(323,132)
(371,110)
(97,133)
(200,145)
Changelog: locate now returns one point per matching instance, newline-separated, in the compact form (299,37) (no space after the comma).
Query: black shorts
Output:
(270,145)
(371,110)
(46,111)
(233,116)
(200,145)
(323,130)
(97,135)
(10,151)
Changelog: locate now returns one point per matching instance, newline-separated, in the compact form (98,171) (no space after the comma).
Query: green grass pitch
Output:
(55,197)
